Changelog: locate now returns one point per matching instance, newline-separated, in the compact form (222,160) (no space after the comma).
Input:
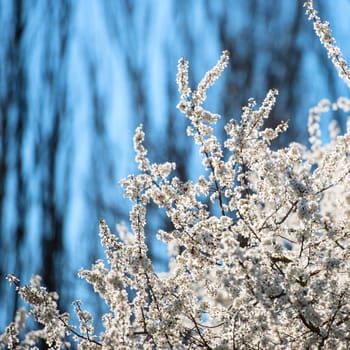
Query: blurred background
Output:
(78,76)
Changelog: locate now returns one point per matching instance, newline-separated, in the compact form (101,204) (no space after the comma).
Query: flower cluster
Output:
(45,312)
(259,244)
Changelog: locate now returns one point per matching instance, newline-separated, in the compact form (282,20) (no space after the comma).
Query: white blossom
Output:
(325,35)
(258,245)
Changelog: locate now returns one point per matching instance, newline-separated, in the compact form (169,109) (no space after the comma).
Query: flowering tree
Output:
(259,252)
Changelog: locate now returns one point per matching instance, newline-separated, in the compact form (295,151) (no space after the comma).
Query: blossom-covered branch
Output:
(258,246)
(325,35)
